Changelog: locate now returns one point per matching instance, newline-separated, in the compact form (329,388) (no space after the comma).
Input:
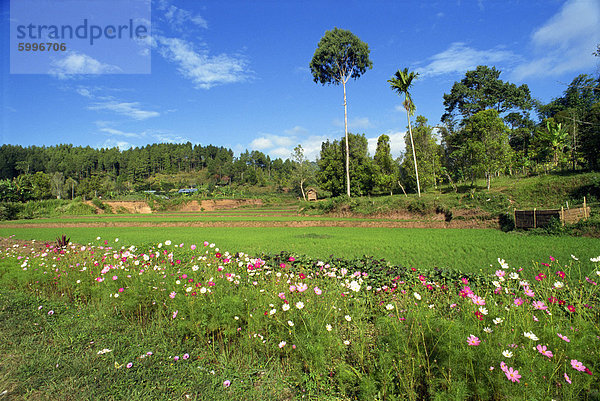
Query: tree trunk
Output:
(347,146)
(302,189)
(412,144)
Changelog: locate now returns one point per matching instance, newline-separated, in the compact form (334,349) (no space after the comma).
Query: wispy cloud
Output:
(179,18)
(128,109)
(565,42)
(115,143)
(459,58)
(73,64)
(354,123)
(203,69)
(113,131)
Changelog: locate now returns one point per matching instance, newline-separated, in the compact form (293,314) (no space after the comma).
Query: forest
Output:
(490,127)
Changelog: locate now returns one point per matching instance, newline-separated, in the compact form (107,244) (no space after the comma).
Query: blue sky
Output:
(235,73)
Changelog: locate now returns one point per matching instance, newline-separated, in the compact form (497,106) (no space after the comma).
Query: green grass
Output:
(468,250)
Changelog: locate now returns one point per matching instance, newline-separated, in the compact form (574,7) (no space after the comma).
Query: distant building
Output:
(187,190)
(311,194)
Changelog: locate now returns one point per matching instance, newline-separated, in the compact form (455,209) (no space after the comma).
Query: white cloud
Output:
(204,70)
(269,141)
(355,123)
(565,42)
(113,143)
(397,144)
(165,137)
(261,143)
(459,58)
(297,130)
(179,18)
(129,109)
(113,131)
(76,63)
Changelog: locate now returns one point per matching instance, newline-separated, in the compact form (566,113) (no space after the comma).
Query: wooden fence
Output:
(542,217)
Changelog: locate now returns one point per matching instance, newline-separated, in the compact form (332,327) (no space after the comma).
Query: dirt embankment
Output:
(193,206)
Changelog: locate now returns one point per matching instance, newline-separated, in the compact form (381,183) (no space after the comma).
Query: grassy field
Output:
(467,250)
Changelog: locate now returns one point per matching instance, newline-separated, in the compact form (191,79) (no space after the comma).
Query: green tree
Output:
(401,83)
(482,89)
(427,153)
(340,55)
(331,165)
(302,170)
(484,145)
(384,165)
(554,136)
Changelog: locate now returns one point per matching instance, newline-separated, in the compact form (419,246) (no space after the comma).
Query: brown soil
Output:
(205,205)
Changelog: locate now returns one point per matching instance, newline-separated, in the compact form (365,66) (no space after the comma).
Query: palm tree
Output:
(401,83)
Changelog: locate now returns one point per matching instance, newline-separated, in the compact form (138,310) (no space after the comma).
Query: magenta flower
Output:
(518,301)
(129,365)
(472,340)
(51,312)
(186,356)
(567,378)
(121,289)
(544,351)
(577,365)
(512,375)
(563,337)
(176,358)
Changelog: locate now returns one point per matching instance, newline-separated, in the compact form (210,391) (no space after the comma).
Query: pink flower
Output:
(544,351)
(577,365)
(193,247)
(172,294)
(561,274)
(472,340)
(175,313)
(567,378)
(503,367)
(301,287)
(51,312)
(129,365)
(318,291)
(121,289)
(539,305)
(477,300)
(500,273)
(281,295)
(226,383)
(291,259)
(528,292)
(563,337)
(114,277)
(518,301)
(176,358)
(512,375)
(464,280)
(186,356)
(292,288)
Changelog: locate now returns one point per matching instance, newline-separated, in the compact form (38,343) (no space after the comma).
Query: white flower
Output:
(496,284)
(203,290)
(595,260)
(487,330)
(483,310)
(389,307)
(348,317)
(104,351)
(573,256)
(272,311)
(498,320)
(514,275)
(236,317)
(531,336)
(291,324)
(299,304)
(503,264)
(285,307)
(354,286)
(167,242)
(195,268)
(507,353)
(416,294)
(346,342)
(598,272)
(524,283)
(282,344)
(558,284)
(328,327)
(431,306)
